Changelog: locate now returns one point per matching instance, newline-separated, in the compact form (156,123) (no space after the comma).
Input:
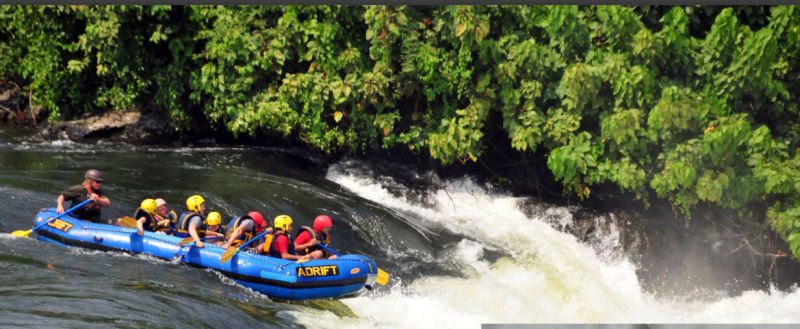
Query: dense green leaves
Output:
(694,103)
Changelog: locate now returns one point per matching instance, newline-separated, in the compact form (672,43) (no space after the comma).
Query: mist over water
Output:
(459,255)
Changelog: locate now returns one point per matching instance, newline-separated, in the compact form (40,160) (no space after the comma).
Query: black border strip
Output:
(233,275)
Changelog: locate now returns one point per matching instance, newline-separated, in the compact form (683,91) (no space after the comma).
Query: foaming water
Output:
(548,277)
(66,146)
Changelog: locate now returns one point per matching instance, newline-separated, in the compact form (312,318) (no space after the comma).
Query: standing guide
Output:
(90,189)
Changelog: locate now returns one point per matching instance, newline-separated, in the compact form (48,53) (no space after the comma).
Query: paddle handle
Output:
(253,239)
(329,249)
(62,215)
(228,254)
(191,240)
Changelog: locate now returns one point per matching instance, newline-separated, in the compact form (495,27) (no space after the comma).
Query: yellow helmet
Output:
(214,218)
(194,202)
(149,205)
(282,222)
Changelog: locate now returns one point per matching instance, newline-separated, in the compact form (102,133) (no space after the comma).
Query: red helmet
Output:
(321,222)
(256,216)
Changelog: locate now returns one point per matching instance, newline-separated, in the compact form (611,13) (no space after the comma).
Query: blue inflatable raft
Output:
(346,276)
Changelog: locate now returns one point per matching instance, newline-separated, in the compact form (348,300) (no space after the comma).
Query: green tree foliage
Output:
(694,103)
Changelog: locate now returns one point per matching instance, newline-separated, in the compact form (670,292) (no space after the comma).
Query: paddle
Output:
(128,222)
(228,254)
(190,239)
(383,276)
(28,232)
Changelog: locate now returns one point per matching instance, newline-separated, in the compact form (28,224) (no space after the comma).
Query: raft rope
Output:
(121,231)
(335,259)
(281,267)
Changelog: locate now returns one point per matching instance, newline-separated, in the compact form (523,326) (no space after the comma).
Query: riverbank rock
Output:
(130,126)
(16,108)
(717,254)
(9,102)
(613,236)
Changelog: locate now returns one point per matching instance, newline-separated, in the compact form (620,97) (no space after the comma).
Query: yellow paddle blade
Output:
(186,240)
(228,254)
(23,234)
(303,260)
(383,277)
(128,222)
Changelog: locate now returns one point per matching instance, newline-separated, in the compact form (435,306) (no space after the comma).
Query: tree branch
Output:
(30,105)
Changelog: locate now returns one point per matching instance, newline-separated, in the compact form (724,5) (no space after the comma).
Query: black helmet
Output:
(94,175)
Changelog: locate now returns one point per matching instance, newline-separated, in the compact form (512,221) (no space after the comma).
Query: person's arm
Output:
(239,231)
(193,233)
(260,249)
(101,200)
(140,224)
(289,256)
(163,223)
(302,237)
(284,250)
(60,209)
(311,243)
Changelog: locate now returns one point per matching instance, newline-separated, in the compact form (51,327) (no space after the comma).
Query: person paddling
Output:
(193,223)
(244,228)
(281,246)
(307,239)
(90,189)
(215,223)
(164,214)
(147,218)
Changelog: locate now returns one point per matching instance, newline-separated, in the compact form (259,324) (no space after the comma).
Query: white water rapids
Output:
(550,277)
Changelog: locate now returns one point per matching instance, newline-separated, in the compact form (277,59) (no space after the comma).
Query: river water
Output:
(458,256)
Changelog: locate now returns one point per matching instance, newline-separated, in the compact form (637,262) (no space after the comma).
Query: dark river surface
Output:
(457,257)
